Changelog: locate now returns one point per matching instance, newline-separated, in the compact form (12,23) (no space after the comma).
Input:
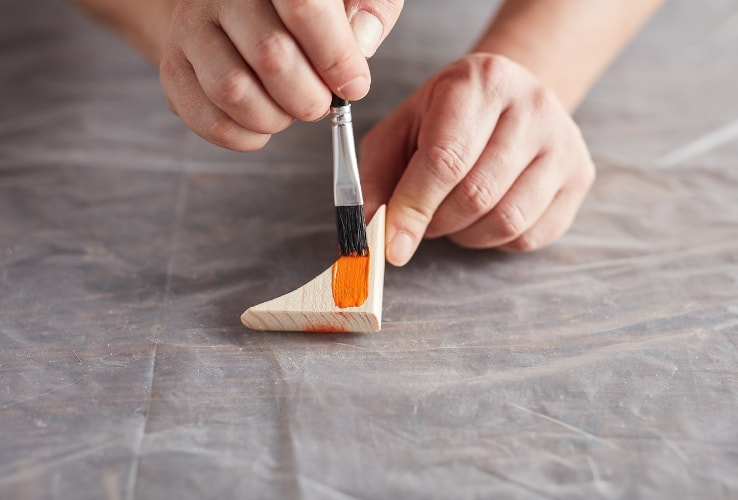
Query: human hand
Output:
(237,71)
(482,153)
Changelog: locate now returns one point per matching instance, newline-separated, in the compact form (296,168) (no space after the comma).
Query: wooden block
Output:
(312,307)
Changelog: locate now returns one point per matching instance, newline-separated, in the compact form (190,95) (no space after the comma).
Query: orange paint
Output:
(324,329)
(351,280)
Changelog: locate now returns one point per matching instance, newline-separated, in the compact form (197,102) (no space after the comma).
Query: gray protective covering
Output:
(603,366)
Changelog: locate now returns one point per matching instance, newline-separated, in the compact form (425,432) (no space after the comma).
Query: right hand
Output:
(483,153)
(238,71)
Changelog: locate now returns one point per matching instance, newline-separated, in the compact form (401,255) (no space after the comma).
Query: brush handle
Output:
(346,185)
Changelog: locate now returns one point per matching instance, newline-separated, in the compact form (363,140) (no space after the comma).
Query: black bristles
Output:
(338,102)
(351,230)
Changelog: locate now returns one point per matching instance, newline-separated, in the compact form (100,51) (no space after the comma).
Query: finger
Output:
(229,83)
(274,55)
(371,21)
(189,102)
(560,215)
(518,210)
(324,34)
(454,134)
(514,144)
(556,220)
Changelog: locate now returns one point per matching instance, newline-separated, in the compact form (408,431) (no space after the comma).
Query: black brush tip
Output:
(351,230)
(337,102)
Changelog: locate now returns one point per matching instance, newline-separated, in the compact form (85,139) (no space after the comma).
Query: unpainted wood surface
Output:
(311,308)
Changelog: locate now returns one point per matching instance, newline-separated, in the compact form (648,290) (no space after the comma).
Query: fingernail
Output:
(367,31)
(400,249)
(355,89)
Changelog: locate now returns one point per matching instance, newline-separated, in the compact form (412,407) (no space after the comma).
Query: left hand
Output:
(482,153)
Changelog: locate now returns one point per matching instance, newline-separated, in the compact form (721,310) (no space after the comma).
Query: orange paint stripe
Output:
(351,280)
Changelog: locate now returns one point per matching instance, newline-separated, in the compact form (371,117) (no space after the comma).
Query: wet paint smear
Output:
(324,329)
(351,280)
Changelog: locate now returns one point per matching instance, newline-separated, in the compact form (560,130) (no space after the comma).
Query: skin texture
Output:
(229,68)
(507,171)
(485,152)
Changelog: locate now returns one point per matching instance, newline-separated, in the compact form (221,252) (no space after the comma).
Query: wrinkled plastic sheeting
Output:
(603,366)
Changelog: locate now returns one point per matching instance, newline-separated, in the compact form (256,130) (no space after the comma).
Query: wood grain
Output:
(311,308)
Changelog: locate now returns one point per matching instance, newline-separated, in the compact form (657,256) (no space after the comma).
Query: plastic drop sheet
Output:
(603,366)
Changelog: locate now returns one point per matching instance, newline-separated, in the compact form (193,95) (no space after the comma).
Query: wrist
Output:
(567,45)
(542,61)
(148,28)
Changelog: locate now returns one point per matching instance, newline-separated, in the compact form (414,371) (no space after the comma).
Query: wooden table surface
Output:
(603,366)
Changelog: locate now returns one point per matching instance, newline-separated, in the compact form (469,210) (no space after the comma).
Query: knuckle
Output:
(219,129)
(417,214)
(477,195)
(446,163)
(490,65)
(492,69)
(273,53)
(337,63)
(229,89)
(542,99)
(510,220)
(444,84)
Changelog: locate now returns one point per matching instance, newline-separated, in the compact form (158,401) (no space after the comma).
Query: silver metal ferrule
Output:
(346,185)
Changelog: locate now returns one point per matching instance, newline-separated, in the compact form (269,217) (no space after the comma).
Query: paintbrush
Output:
(347,197)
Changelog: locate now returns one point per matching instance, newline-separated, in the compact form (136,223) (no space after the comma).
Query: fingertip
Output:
(406,224)
(400,248)
(355,89)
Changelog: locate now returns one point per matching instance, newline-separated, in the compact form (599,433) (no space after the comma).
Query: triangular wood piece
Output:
(312,308)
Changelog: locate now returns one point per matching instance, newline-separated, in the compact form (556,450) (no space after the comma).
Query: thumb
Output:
(371,21)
